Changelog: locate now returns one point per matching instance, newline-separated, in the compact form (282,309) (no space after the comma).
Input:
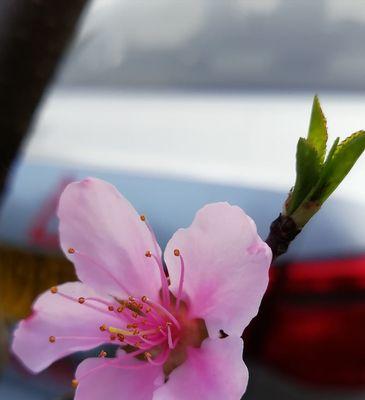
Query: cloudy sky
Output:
(220,44)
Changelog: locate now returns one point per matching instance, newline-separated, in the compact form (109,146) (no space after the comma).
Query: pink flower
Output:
(169,336)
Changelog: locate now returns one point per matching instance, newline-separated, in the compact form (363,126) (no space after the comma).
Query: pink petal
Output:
(215,372)
(109,239)
(226,267)
(106,379)
(75,327)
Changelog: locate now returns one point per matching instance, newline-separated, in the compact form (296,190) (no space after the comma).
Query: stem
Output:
(283,231)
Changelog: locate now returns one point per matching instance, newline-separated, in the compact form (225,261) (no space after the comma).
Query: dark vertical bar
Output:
(33,36)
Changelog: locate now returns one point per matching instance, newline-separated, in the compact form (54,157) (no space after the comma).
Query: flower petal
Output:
(215,372)
(226,267)
(74,326)
(106,379)
(110,240)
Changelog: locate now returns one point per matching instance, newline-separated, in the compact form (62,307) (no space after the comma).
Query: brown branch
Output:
(282,232)
(33,36)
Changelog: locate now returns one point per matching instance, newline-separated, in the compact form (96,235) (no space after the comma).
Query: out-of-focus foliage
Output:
(24,275)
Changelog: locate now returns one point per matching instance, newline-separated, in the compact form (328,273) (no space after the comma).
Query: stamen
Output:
(142,217)
(165,285)
(163,309)
(169,337)
(161,360)
(53,339)
(103,328)
(54,289)
(115,364)
(74,383)
(105,270)
(81,300)
(182,276)
(66,296)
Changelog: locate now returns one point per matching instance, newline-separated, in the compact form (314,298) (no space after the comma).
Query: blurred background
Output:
(184,102)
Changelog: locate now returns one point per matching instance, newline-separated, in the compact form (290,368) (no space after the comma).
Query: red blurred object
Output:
(311,325)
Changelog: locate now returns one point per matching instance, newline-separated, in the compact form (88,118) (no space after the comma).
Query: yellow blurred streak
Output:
(24,275)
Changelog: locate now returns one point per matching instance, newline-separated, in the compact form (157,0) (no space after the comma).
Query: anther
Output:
(121,337)
(102,354)
(103,328)
(135,332)
(74,383)
(54,289)
(71,250)
(142,217)
(81,300)
(111,308)
(148,253)
(120,309)
(148,309)
(177,252)
(52,339)
(131,299)
(144,299)
(112,337)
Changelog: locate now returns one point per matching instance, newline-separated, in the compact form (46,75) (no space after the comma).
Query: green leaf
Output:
(342,159)
(308,171)
(317,133)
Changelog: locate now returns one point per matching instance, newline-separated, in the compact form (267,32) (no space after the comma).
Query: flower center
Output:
(156,332)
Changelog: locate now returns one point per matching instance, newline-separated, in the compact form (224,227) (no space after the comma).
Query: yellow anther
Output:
(74,383)
(54,289)
(118,331)
(102,328)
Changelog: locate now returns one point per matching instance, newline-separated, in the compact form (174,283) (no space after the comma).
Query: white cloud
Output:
(350,10)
